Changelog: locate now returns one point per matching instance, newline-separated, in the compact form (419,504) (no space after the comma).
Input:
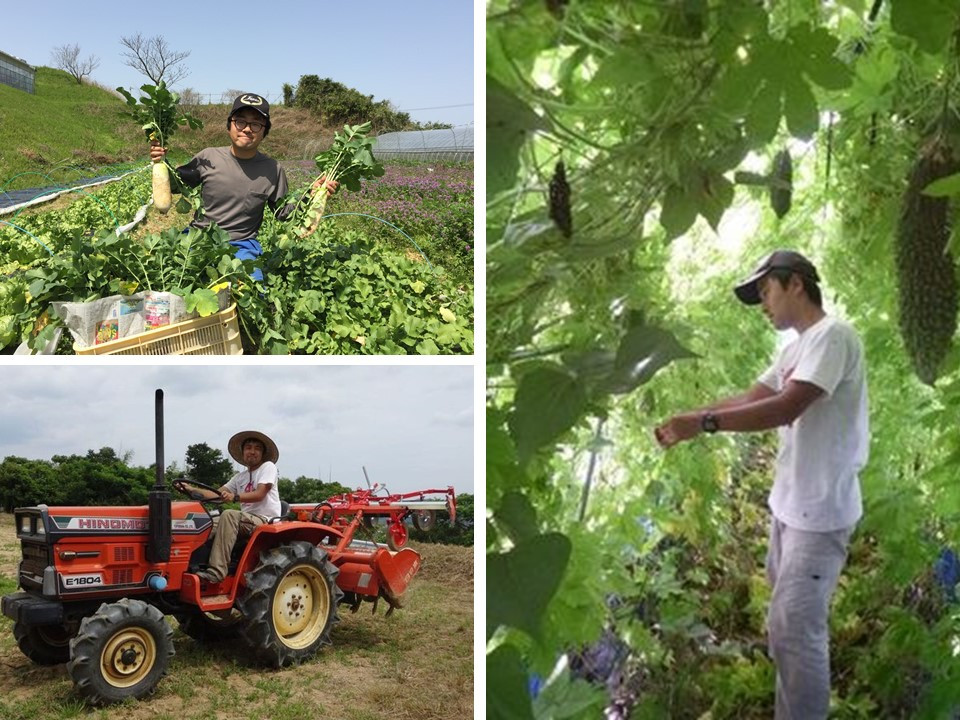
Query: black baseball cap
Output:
(251,100)
(749,293)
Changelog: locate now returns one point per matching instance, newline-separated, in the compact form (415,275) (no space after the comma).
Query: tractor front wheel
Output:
(120,652)
(289,605)
(45,644)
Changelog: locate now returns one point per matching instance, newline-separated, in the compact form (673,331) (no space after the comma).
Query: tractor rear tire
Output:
(290,602)
(44,644)
(203,626)
(120,652)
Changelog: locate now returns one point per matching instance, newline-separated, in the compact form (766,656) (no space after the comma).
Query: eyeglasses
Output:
(243,124)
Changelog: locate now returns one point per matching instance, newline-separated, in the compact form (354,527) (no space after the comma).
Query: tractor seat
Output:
(284,512)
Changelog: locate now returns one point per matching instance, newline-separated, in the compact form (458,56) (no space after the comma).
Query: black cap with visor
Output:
(748,290)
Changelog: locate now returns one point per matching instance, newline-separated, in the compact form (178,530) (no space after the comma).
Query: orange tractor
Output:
(97,581)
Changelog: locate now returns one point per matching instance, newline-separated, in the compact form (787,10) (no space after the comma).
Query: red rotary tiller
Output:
(366,505)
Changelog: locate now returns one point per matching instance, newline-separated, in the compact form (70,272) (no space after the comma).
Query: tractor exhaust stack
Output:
(158,543)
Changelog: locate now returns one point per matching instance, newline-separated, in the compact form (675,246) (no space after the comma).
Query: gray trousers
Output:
(803,568)
(231,524)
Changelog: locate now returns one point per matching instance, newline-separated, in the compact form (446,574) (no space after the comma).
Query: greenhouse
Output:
(16,72)
(453,144)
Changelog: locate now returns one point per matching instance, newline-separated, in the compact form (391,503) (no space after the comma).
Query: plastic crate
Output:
(217,334)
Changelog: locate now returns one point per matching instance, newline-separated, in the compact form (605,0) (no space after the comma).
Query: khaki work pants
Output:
(231,526)
(803,568)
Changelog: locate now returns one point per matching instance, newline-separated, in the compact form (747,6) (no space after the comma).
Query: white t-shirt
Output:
(246,481)
(815,485)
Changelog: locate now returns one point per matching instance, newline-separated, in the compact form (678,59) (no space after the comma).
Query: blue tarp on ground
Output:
(10,198)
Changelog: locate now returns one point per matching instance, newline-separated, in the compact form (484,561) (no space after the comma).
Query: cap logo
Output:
(251,100)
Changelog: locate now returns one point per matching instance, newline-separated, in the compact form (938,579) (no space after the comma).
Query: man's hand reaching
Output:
(685,426)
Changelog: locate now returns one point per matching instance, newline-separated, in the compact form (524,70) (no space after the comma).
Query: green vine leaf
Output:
(643,351)
(627,66)
(563,697)
(507,696)
(816,53)
(763,119)
(716,194)
(679,211)
(510,122)
(928,22)
(800,109)
(517,517)
(549,401)
(521,582)
(737,87)
(944,187)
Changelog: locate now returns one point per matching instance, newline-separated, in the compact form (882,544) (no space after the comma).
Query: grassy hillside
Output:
(62,123)
(66,124)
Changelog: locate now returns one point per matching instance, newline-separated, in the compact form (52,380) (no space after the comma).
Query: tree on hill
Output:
(154,58)
(335,103)
(67,57)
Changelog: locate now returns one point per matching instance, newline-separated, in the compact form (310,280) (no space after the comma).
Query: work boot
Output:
(207,576)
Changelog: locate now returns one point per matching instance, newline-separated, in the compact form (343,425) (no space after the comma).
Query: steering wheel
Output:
(181,486)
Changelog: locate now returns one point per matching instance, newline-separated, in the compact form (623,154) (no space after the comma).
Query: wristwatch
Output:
(708,423)
(236,497)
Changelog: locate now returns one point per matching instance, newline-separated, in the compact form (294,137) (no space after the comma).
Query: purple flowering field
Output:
(430,202)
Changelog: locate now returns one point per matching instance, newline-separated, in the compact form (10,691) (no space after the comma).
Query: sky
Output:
(416,54)
(411,426)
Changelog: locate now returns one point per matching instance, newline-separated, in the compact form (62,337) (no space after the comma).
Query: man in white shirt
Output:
(815,393)
(254,488)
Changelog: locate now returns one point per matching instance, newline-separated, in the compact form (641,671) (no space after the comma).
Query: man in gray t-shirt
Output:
(239,181)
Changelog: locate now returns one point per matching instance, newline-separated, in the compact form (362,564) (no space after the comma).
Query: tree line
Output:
(102,477)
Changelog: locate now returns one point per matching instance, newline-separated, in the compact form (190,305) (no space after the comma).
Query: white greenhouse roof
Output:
(454,140)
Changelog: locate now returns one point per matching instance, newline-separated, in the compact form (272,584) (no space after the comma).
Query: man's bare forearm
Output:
(730,402)
(758,392)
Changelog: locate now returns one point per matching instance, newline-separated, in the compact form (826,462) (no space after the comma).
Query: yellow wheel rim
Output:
(301,606)
(128,657)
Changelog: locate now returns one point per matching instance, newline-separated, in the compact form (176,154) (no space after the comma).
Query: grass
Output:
(415,665)
(63,123)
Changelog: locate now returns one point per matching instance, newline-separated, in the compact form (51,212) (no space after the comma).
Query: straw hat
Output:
(235,446)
